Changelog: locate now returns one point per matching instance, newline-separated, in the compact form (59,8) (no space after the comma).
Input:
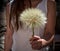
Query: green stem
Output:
(32,30)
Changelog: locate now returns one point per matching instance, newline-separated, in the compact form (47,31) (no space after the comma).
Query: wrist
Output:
(44,43)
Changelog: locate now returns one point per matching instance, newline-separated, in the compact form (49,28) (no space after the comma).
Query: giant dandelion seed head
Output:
(33,16)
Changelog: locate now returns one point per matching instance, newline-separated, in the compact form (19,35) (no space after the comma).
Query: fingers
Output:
(34,38)
(36,44)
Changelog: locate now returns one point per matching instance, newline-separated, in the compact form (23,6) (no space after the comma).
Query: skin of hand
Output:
(37,43)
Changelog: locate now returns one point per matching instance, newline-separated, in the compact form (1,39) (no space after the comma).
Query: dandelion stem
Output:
(32,30)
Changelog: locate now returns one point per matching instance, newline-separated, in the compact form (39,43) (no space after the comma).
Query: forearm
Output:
(8,43)
(49,38)
(51,22)
(47,41)
(9,30)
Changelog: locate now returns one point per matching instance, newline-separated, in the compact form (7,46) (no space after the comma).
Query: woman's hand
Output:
(37,43)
